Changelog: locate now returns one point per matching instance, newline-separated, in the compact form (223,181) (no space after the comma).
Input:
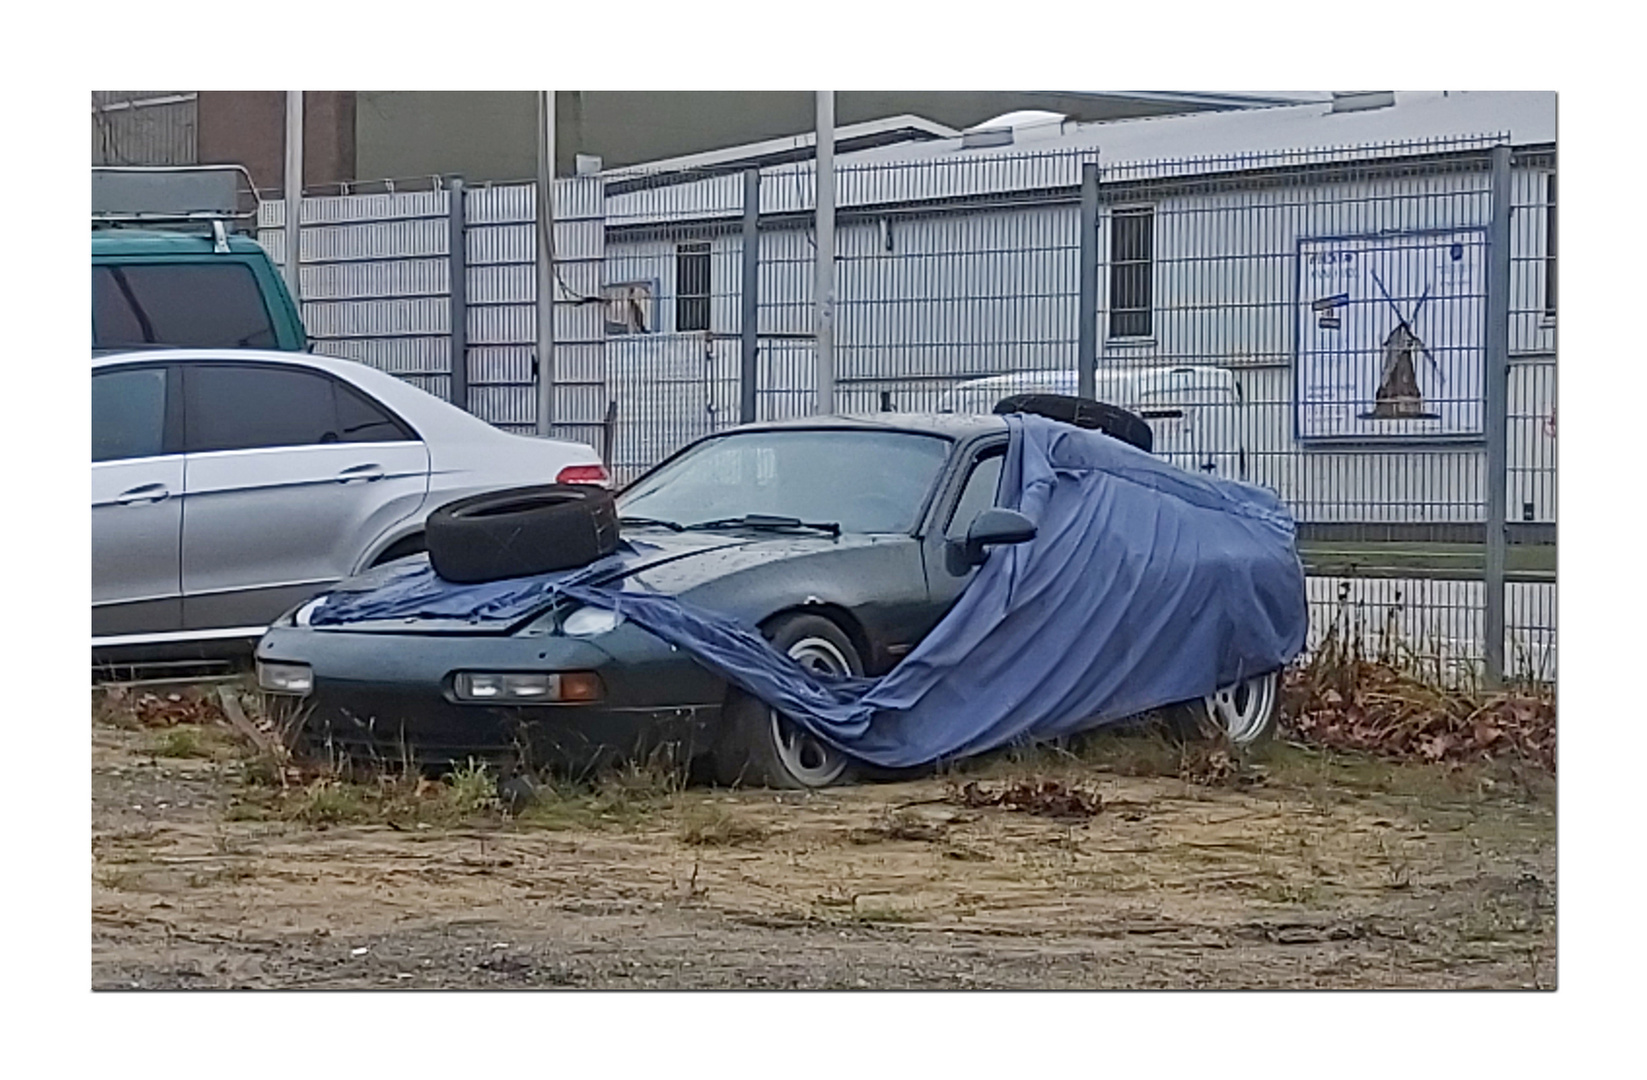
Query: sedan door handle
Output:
(357,473)
(143,495)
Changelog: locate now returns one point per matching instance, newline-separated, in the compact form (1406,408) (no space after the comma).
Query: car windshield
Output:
(863,481)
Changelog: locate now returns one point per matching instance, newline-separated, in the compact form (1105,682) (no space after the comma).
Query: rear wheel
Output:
(762,747)
(1244,712)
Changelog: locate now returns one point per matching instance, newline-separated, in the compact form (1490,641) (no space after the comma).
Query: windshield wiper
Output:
(672,526)
(767,521)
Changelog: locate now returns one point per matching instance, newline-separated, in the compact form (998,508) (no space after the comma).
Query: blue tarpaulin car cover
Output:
(1145,585)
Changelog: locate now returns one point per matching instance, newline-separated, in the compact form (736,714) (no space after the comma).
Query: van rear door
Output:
(206,304)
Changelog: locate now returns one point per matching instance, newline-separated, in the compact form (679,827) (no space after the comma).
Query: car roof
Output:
(166,242)
(947,425)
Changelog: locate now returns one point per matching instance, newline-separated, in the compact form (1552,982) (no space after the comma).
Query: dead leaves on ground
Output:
(1047,798)
(1361,704)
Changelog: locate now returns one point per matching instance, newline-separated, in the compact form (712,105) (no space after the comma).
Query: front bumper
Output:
(387,697)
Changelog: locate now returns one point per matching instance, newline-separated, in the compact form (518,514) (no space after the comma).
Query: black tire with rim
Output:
(759,747)
(1244,712)
(521,531)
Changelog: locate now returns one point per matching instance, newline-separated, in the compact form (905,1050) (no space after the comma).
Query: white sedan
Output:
(227,486)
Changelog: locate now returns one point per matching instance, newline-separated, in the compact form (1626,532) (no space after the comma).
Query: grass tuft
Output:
(712,825)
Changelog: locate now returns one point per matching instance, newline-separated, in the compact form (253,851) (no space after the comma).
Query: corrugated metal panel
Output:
(504,404)
(492,244)
(397,356)
(377,280)
(507,325)
(375,240)
(793,188)
(511,284)
(499,205)
(162,133)
(378,318)
(375,209)
(500,364)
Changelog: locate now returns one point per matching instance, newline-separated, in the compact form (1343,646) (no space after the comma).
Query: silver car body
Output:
(201,544)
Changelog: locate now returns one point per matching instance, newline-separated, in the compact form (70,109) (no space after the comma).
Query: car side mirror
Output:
(994,526)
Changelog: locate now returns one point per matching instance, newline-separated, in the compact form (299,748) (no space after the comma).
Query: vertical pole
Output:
(1496,421)
(1086,338)
(294,194)
(751,295)
(824,270)
(546,262)
(458,276)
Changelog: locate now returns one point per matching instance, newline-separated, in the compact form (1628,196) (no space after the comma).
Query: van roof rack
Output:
(182,195)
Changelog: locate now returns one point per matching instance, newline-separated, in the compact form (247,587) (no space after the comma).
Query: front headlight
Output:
(283,678)
(590,621)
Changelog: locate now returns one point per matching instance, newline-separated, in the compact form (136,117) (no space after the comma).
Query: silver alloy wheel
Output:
(1245,709)
(810,761)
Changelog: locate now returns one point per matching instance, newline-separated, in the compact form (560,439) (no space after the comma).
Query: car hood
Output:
(407,596)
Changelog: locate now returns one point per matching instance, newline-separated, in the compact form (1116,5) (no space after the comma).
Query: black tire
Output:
(521,531)
(759,747)
(1112,420)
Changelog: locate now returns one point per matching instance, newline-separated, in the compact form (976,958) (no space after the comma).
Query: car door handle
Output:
(357,473)
(143,495)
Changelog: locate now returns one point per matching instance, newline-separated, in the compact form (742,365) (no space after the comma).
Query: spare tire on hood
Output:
(1112,420)
(521,531)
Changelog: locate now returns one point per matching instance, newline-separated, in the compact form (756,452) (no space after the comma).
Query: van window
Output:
(189,305)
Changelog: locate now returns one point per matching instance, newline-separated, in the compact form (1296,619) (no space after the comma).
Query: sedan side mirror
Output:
(994,526)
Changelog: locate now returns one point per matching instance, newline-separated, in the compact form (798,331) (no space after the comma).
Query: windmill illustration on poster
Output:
(1390,337)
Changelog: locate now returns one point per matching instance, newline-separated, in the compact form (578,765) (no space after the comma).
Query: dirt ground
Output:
(1317,872)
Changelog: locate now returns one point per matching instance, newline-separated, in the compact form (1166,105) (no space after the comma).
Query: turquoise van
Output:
(169,271)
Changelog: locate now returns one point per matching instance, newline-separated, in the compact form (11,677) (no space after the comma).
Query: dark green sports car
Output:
(844,539)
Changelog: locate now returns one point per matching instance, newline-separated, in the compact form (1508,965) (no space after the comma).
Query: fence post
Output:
(546,263)
(1086,339)
(750,296)
(457,262)
(294,196)
(823,287)
(1496,421)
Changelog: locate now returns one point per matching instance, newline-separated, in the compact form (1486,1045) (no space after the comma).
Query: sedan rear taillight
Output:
(583,474)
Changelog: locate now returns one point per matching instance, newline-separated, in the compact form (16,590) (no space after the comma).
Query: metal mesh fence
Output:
(1314,323)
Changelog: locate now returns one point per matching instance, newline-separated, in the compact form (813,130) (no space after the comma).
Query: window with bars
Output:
(1550,245)
(691,286)
(1131,268)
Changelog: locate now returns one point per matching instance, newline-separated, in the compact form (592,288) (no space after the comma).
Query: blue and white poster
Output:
(1390,336)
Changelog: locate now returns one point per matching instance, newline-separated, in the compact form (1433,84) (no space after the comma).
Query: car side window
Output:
(128,414)
(360,419)
(243,406)
(978,495)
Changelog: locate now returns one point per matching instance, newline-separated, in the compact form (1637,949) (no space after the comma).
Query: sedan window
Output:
(865,481)
(128,414)
(360,419)
(238,407)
